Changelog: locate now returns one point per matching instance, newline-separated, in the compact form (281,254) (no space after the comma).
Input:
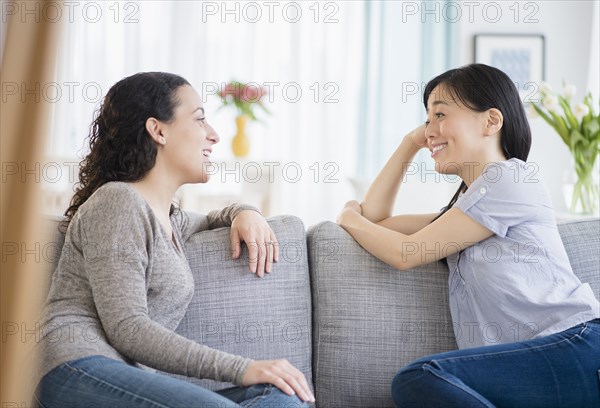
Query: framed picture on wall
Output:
(521,56)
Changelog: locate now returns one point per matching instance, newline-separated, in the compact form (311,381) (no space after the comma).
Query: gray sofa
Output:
(344,318)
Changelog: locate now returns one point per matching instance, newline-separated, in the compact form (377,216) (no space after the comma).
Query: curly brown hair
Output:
(120,148)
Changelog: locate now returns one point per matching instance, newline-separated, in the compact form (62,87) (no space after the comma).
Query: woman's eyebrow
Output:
(199,108)
(434,103)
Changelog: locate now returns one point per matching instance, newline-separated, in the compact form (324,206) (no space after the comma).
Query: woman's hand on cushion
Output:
(281,374)
(252,228)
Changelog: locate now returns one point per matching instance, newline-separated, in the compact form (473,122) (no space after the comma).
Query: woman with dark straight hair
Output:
(527,329)
(123,283)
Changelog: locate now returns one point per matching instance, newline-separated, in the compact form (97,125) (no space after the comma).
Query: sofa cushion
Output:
(370,319)
(582,243)
(234,311)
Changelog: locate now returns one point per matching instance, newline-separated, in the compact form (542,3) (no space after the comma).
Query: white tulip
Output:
(569,91)
(550,102)
(531,112)
(545,87)
(581,110)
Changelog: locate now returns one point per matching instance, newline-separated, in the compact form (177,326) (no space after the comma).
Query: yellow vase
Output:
(240,144)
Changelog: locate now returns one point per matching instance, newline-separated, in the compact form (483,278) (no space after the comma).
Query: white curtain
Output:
(356,67)
(407,44)
(594,71)
(312,48)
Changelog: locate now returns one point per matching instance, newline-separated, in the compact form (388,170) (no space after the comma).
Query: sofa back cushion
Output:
(370,319)
(582,243)
(235,311)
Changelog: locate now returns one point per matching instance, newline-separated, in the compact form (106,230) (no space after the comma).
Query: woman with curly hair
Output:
(123,283)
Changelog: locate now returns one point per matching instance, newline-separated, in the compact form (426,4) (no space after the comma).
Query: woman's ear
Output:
(494,122)
(153,127)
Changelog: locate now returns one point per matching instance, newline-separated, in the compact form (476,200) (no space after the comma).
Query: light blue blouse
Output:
(518,284)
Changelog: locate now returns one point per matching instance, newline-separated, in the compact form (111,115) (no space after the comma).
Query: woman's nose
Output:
(430,134)
(430,131)
(213,136)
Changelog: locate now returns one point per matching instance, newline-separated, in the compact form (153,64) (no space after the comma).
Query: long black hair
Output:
(481,87)
(120,147)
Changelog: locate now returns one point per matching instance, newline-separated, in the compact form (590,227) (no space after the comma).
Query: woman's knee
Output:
(417,364)
(273,397)
(403,377)
(288,401)
(428,385)
(409,384)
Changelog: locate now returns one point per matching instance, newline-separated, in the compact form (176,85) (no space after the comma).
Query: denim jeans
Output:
(98,381)
(559,370)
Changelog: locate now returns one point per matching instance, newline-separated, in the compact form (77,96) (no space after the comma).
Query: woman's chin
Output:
(199,179)
(205,172)
(439,167)
(447,168)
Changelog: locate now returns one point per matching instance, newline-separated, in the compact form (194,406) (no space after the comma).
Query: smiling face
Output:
(458,136)
(187,140)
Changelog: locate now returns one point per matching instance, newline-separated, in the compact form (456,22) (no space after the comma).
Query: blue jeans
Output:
(559,370)
(98,381)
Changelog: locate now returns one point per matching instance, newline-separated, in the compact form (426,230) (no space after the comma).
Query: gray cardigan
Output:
(122,286)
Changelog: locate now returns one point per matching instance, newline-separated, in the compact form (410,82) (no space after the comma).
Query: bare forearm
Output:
(379,200)
(408,224)
(379,241)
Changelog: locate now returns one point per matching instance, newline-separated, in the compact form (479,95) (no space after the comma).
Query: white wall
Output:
(567,27)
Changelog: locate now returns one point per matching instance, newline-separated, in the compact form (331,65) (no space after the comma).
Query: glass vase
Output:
(581,188)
